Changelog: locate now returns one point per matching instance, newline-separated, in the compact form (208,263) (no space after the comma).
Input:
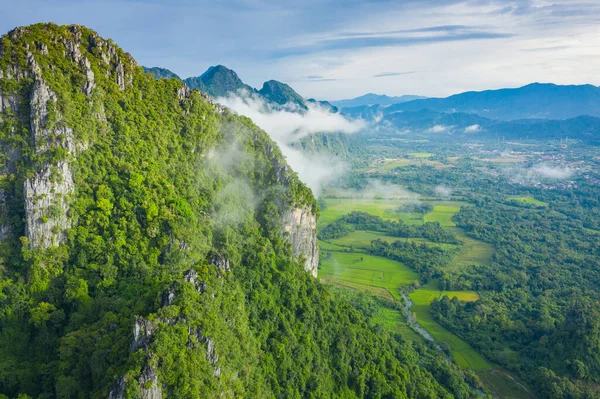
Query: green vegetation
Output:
(367,270)
(443,214)
(153,202)
(462,352)
(528,200)
(420,154)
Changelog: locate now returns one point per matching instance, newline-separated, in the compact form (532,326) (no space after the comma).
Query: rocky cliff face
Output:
(48,191)
(300,225)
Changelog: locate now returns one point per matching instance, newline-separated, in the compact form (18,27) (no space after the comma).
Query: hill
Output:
(218,81)
(153,244)
(282,94)
(161,73)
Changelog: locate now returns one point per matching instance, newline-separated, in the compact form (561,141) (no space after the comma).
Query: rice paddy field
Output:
(384,208)
(360,269)
(347,265)
(462,352)
(443,214)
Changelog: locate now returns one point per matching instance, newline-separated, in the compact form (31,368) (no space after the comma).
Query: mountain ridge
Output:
(370,99)
(532,101)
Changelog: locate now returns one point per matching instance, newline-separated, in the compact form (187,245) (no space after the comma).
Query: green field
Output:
(388,209)
(374,274)
(527,200)
(472,251)
(420,154)
(338,207)
(372,271)
(361,239)
(462,352)
(443,214)
(394,320)
(395,163)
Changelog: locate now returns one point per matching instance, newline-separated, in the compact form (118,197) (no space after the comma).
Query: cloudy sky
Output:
(333,49)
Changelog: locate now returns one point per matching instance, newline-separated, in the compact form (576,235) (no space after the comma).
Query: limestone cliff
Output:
(300,225)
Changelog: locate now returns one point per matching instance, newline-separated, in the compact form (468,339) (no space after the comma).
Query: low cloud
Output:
(286,127)
(472,129)
(538,172)
(552,172)
(443,191)
(438,129)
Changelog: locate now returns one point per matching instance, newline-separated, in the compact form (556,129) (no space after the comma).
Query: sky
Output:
(334,49)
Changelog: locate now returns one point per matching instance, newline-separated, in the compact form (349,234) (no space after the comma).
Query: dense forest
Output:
(154,262)
(539,295)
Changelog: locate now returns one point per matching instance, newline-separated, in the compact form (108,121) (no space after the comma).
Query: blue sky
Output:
(336,49)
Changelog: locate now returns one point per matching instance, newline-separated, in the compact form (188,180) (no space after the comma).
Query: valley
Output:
(392,188)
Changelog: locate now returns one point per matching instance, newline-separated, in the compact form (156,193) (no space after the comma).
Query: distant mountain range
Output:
(534,101)
(535,111)
(459,124)
(373,99)
(220,81)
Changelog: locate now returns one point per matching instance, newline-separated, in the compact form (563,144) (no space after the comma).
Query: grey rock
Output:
(222,264)
(212,357)
(183,92)
(117,390)
(300,228)
(41,195)
(90,84)
(149,386)
(169,296)
(120,76)
(142,333)
(192,277)
(51,185)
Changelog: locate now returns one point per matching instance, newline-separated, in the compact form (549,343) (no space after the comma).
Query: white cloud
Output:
(472,129)
(552,172)
(438,129)
(286,127)
(443,191)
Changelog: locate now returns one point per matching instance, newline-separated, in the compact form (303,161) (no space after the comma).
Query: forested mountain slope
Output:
(154,245)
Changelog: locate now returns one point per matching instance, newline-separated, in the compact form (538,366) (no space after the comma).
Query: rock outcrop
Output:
(300,225)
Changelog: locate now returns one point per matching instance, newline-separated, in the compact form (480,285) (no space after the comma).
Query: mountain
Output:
(153,245)
(460,124)
(373,99)
(323,104)
(282,94)
(161,73)
(218,81)
(534,101)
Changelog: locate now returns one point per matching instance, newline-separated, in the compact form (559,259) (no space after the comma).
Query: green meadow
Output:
(443,214)
(366,270)
(420,154)
(338,207)
(527,200)
(472,251)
